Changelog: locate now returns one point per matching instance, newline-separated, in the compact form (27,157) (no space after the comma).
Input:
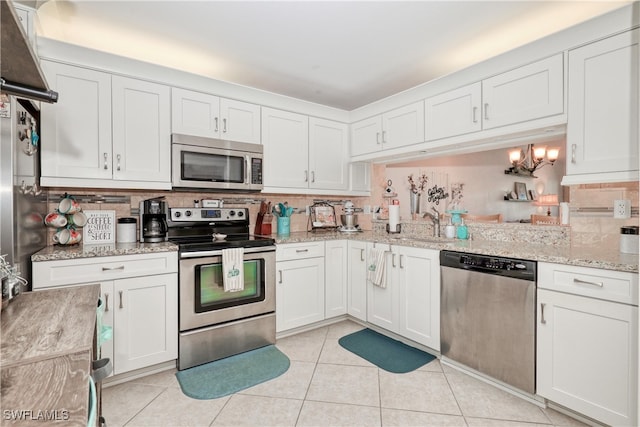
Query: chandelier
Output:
(525,163)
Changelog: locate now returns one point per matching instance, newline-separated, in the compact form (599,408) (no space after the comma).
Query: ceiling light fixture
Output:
(525,163)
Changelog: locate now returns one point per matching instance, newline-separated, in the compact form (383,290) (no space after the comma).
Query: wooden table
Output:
(46,349)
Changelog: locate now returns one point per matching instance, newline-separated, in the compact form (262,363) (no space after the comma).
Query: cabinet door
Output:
(76,131)
(357,288)
(403,126)
(587,356)
(195,113)
(146,321)
(285,137)
(106,293)
(530,92)
(453,113)
(240,121)
(419,286)
(602,131)
(382,303)
(141,132)
(299,293)
(335,278)
(328,155)
(366,136)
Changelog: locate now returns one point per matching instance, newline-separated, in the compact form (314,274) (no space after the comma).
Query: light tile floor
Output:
(329,386)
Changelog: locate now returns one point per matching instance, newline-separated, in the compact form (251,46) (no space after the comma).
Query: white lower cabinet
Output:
(141,306)
(587,342)
(357,280)
(299,284)
(409,305)
(336,262)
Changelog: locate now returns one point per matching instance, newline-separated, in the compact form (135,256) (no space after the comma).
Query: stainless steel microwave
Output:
(208,163)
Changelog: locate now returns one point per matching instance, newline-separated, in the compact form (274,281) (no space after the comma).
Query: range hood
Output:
(20,72)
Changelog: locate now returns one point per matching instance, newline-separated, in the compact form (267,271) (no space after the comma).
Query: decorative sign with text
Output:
(100,227)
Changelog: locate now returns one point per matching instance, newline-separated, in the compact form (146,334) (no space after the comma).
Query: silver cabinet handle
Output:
(542,319)
(105,161)
(299,251)
(584,282)
(120,292)
(118,157)
(106,301)
(280,274)
(393,260)
(377,137)
(224,125)
(401,266)
(573,153)
(474,114)
(384,140)
(486,111)
(362,255)
(313,176)
(306,176)
(113,268)
(216,120)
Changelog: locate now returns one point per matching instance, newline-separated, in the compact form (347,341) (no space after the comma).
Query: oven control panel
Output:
(208,214)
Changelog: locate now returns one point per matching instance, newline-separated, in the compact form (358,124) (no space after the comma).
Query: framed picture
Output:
(323,216)
(533,194)
(521,190)
(100,227)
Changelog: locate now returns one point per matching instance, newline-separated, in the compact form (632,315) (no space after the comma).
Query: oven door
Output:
(203,301)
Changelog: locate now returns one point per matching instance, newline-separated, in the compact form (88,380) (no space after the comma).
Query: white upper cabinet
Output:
(209,116)
(304,152)
(328,154)
(105,132)
(530,92)
(393,129)
(141,141)
(602,131)
(454,113)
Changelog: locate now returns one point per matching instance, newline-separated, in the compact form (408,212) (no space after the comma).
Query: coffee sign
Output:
(100,227)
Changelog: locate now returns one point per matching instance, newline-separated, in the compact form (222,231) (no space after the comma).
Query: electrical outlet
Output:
(366,209)
(622,209)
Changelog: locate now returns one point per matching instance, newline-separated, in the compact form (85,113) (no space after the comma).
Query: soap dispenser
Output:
(462,231)
(450,230)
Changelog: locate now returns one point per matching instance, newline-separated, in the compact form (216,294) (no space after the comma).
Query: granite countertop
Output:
(54,253)
(46,352)
(585,256)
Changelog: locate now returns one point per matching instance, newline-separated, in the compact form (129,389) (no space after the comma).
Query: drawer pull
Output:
(401,266)
(393,260)
(542,319)
(113,268)
(106,302)
(362,255)
(120,292)
(298,251)
(280,273)
(584,282)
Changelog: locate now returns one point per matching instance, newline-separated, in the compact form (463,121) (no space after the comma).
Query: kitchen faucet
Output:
(436,221)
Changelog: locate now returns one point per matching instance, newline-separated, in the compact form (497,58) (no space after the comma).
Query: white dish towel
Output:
(233,269)
(375,267)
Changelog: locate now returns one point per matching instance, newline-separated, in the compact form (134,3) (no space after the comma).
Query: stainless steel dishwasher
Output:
(488,314)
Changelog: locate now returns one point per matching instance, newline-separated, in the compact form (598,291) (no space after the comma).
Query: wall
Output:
(485,182)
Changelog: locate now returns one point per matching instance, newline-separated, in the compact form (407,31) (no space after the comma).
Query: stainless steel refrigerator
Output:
(23,204)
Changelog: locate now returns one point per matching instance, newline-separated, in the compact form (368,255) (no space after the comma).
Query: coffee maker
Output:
(153,220)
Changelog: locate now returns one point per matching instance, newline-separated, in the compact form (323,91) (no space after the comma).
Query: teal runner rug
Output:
(384,352)
(232,374)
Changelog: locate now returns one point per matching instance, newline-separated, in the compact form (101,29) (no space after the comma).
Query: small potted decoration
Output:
(415,188)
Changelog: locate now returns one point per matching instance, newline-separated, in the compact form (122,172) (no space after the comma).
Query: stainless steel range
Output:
(213,323)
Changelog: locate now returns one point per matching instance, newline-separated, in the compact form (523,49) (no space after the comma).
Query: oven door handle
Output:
(201,254)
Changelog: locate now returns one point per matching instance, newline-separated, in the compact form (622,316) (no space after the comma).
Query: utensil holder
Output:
(284,225)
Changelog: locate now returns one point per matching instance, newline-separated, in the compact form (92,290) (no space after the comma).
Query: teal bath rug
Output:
(232,374)
(384,352)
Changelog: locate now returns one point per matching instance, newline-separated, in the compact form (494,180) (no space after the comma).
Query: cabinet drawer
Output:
(85,270)
(291,251)
(607,285)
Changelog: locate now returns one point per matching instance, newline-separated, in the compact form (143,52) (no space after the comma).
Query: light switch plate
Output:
(622,209)
(366,209)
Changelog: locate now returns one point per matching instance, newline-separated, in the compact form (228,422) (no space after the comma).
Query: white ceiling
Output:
(343,54)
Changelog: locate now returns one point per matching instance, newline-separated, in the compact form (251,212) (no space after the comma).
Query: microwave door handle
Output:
(246,170)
